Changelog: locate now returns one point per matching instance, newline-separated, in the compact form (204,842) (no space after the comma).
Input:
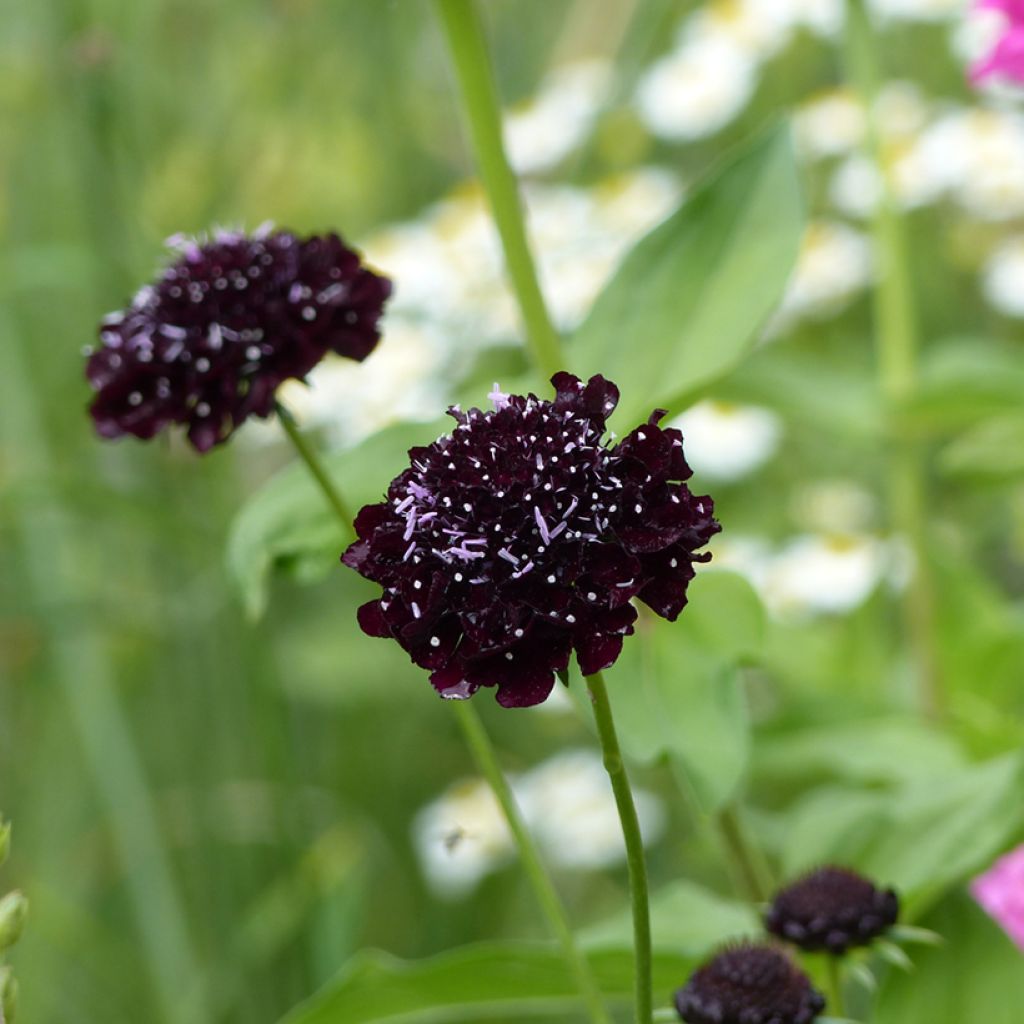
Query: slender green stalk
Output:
(635,861)
(897,341)
(544,889)
(835,987)
(464,31)
(315,466)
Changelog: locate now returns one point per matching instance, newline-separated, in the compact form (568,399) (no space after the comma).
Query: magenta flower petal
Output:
(1000,890)
(523,537)
(1005,60)
(209,342)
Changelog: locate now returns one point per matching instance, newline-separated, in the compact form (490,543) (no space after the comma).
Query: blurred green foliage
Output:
(213,814)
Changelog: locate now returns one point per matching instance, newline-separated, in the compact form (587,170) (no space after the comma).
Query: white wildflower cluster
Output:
(567,803)
(726,442)
(813,574)
(451,295)
(711,72)
(541,133)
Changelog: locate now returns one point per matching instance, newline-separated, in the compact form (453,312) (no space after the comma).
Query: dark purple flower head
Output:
(522,536)
(831,909)
(209,342)
(749,984)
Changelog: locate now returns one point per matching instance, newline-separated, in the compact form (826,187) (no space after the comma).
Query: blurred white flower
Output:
(836,506)
(570,806)
(741,24)
(542,132)
(725,441)
(831,124)
(750,557)
(855,187)
(976,156)
(1003,277)
(834,265)
(824,18)
(824,573)
(567,803)
(461,837)
(400,380)
(697,89)
(919,10)
(901,110)
(448,265)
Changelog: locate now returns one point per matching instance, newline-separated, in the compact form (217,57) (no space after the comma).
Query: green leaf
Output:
(830,824)
(871,750)
(686,919)
(677,690)
(287,524)
(686,304)
(942,829)
(491,981)
(893,954)
(963,380)
(977,976)
(993,449)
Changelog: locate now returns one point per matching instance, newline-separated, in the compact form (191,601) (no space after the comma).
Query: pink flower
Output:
(1006,58)
(1001,892)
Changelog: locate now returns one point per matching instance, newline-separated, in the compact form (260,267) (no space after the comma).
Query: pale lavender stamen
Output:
(541,525)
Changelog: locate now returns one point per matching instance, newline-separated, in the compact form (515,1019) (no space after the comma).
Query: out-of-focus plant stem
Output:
(478,91)
(896,330)
(835,986)
(547,896)
(635,858)
(87,680)
(313,463)
(747,860)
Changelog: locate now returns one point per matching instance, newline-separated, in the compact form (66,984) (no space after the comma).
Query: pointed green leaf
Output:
(686,304)
(491,981)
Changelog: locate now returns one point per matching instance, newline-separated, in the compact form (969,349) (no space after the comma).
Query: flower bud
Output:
(13,912)
(8,995)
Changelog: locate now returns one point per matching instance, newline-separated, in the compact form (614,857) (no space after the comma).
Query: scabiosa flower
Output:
(749,984)
(831,909)
(521,537)
(207,344)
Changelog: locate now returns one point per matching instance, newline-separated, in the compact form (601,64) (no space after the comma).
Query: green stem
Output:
(897,341)
(616,769)
(835,987)
(747,859)
(464,31)
(547,896)
(315,466)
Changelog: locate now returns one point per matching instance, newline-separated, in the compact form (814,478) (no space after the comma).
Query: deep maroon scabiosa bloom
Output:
(523,536)
(209,342)
(831,909)
(749,984)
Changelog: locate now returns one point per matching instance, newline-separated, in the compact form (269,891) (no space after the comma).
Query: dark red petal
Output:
(371,619)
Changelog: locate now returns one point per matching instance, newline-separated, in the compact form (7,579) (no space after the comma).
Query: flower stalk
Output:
(308,454)
(897,341)
(460,20)
(486,759)
(635,859)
